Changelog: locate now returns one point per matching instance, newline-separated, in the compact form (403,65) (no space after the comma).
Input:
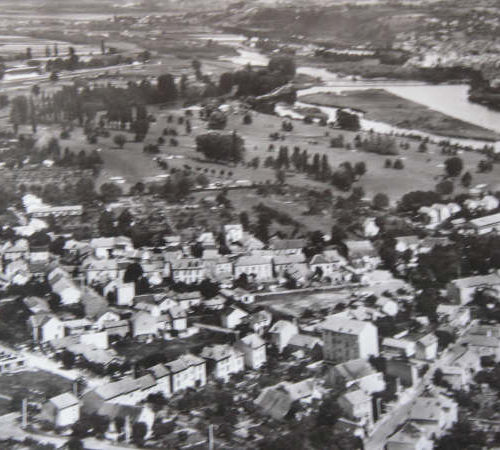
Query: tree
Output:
(466,179)
(219,147)
(139,431)
(380,201)
(68,359)
(120,140)
(280,176)
(132,273)
(106,224)
(84,190)
(110,192)
(453,166)
(445,187)
(217,120)
(347,120)
(247,119)
(398,164)
(329,411)
(360,168)
(285,65)
(75,444)
(226,82)
(167,89)
(19,111)
(244,220)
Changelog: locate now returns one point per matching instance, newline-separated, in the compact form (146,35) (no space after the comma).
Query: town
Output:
(199,251)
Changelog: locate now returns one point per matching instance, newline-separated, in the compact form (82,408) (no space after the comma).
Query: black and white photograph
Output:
(249,224)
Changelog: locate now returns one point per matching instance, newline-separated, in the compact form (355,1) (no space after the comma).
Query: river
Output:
(449,99)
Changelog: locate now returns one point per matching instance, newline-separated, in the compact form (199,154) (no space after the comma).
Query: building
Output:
(357,372)
(104,248)
(357,406)
(232,317)
(461,291)
(56,211)
(66,289)
(258,267)
(282,247)
(403,370)
(223,360)
(121,293)
(134,414)
(281,333)
(410,437)
(10,361)
(188,371)
(399,347)
(454,315)
(45,327)
(485,224)
(328,265)
(254,350)
(187,300)
(144,324)
(434,415)
(62,410)
(276,401)
(233,233)
(427,347)
(188,271)
(344,340)
(362,254)
(306,345)
(260,321)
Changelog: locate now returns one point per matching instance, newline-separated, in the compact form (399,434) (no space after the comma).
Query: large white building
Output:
(345,339)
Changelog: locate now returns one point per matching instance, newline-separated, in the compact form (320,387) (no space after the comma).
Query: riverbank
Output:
(383,106)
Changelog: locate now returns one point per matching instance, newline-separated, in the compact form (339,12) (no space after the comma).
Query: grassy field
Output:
(422,170)
(386,107)
(35,385)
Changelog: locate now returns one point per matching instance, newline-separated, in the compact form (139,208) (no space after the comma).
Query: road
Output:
(388,425)
(10,428)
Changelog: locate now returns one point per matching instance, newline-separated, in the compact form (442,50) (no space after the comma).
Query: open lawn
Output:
(422,170)
(386,107)
(36,385)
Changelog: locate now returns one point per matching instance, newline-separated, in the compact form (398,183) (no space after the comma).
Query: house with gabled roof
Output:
(287,246)
(223,360)
(434,415)
(281,333)
(45,327)
(328,265)
(357,406)
(62,410)
(134,414)
(188,371)
(357,372)
(254,350)
(362,254)
(232,317)
(409,437)
(461,291)
(258,267)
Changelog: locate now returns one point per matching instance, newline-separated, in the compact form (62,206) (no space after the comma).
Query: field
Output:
(386,107)
(422,170)
(35,385)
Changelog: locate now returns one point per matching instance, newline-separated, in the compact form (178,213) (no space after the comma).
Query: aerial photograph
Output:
(250,224)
